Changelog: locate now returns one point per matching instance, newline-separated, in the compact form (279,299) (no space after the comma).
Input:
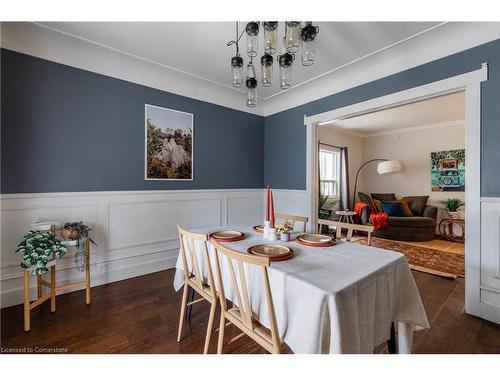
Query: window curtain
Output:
(344,179)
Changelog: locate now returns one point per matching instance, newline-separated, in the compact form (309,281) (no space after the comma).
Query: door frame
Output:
(470,83)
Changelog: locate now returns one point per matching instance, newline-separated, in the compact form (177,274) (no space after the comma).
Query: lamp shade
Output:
(389,166)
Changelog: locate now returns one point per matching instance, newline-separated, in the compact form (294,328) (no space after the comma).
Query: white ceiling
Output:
(199,48)
(443,109)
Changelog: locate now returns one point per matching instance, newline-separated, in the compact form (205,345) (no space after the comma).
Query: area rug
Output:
(425,259)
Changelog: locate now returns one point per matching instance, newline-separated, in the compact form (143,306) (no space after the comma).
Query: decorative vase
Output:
(453,214)
(273,236)
(267,227)
(285,236)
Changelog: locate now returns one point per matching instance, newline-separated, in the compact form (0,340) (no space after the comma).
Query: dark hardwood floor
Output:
(140,315)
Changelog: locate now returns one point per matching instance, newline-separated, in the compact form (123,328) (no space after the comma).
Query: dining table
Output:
(344,298)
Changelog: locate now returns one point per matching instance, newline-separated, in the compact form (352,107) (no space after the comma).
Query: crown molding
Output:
(53,45)
(50,44)
(436,43)
(416,128)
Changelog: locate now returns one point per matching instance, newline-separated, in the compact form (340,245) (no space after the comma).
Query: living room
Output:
(419,138)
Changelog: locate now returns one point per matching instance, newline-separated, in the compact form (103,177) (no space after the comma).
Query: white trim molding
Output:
(477,301)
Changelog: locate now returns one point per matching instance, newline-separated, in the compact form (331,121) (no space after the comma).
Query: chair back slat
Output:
(245,308)
(236,286)
(368,229)
(211,282)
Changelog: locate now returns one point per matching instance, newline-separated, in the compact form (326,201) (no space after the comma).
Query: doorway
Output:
(470,83)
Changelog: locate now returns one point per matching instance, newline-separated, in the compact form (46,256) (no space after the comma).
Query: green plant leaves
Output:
(37,249)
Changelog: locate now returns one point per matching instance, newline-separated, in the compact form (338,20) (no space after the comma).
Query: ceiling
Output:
(199,48)
(442,109)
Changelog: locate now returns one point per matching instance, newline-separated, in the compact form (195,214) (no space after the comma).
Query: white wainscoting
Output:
(135,231)
(490,258)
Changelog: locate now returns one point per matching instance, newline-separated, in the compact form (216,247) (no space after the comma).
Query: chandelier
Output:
(295,38)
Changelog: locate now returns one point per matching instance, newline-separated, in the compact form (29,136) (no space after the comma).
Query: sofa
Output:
(421,226)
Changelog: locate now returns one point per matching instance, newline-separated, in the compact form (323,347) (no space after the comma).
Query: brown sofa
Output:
(419,227)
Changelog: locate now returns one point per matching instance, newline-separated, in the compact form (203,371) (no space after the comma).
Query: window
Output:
(329,171)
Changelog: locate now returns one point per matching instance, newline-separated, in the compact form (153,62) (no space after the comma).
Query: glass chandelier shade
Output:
(296,36)
(252,31)
(308,44)
(286,63)
(237,70)
(266,70)
(292,36)
(251,84)
(270,36)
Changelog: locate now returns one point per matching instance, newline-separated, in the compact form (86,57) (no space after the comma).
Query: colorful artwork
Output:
(448,170)
(169,144)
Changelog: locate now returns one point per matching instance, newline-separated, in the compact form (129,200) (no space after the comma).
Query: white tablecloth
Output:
(339,299)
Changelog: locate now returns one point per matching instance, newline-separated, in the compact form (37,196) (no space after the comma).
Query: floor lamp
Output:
(385,166)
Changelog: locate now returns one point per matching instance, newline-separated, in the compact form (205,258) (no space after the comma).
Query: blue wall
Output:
(61,130)
(67,129)
(285,133)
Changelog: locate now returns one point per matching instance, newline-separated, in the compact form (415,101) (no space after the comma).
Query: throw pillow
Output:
(406,208)
(365,198)
(394,208)
(378,205)
(384,196)
(417,204)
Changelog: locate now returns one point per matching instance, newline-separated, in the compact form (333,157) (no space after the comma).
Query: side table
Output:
(446,229)
(346,216)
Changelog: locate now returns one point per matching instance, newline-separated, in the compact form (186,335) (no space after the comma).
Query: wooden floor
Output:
(140,315)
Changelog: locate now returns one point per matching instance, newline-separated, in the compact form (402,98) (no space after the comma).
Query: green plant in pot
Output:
(37,249)
(452,205)
(78,231)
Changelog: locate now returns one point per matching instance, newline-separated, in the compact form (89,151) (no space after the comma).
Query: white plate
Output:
(315,238)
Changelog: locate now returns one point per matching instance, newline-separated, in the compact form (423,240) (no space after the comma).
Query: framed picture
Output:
(169,136)
(448,170)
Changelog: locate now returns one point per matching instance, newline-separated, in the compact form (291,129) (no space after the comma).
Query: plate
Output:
(258,228)
(317,244)
(269,250)
(315,238)
(265,251)
(226,234)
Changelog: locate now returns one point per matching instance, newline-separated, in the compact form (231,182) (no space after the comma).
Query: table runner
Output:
(339,299)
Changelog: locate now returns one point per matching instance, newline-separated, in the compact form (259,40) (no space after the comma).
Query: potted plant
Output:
(452,205)
(37,249)
(284,231)
(78,231)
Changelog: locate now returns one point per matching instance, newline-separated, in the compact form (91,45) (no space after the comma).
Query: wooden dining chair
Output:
(240,315)
(292,219)
(350,229)
(194,278)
